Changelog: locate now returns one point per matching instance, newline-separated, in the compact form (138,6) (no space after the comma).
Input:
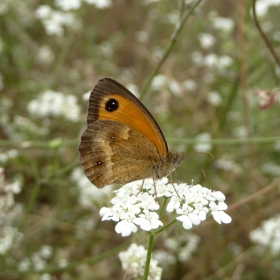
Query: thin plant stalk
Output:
(168,50)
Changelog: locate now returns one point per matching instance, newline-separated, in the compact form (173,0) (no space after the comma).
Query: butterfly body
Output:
(122,142)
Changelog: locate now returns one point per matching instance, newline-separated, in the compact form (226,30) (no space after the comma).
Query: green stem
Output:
(267,42)
(237,141)
(60,60)
(165,227)
(174,36)
(149,256)
(163,206)
(8,144)
(151,242)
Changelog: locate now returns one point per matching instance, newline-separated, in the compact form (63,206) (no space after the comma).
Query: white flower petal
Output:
(194,218)
(225,218)
(216,216)
(187,224)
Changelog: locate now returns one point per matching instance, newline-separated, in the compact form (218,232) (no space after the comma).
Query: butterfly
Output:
(122,142)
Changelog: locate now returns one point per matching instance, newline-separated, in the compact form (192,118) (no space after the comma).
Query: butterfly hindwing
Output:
(110,154)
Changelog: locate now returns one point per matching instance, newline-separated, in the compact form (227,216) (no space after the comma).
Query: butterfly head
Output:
(176,159)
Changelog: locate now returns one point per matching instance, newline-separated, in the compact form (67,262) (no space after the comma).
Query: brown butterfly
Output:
(123,142)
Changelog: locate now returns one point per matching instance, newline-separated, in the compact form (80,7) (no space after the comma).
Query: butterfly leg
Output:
(141,189)
(155,187)
(176,190)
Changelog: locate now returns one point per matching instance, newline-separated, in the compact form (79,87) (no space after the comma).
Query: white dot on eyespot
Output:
(99,162)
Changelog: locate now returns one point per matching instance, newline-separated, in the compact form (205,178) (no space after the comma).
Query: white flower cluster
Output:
(262,6)
(7,192)
(55,104)
(183,246)
(268,235)
(37,261)
(8,235)
(133,206)
(67,5)
(53,21)
(133,262)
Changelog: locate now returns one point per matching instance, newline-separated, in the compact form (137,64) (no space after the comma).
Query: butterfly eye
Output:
(112,105)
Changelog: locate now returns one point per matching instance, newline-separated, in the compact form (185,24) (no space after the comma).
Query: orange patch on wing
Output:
(130,114)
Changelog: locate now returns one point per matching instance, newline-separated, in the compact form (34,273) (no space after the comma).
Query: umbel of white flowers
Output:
(132,207)
(133,262)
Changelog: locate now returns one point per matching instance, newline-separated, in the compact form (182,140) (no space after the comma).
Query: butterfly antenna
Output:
(201,169)
(176,190)
(202,153)
(176,177)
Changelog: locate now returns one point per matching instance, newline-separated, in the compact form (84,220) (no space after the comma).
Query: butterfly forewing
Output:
(111,101)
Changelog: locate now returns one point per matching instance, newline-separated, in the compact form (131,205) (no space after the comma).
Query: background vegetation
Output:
(220,81)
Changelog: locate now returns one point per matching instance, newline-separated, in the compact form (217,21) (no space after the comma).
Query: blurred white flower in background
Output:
(105,49)
(240,131)
(225,163)
(88,193)
(203,147)
(276,145)
(142,36)
(219,62)
(206,40)
(175,88)
(223,24)
(214,98)
(100,4)
(4,6)
(53,21)
(133,88)
(164,258)
(190,84)
(9,236)
(267,236)
(262,6)
(55,104)
(9,154)
(36,261)
(271,168)
(185,251)
(159,82)
(45,55)
(277,71)
(172,17)
(197,58)
(183,246)
(133,262)
(67,5)
(276,36)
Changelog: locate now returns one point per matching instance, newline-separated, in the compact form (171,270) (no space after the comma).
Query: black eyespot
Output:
(99,162)
(112,105)
(112,137)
